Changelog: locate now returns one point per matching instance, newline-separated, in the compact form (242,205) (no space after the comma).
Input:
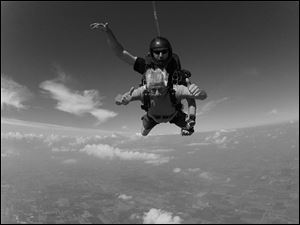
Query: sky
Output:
(56,72)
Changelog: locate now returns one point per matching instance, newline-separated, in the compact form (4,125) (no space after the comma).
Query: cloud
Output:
(273,112)
(219,138)
(13,94)
(176,170)
(91,145)
(206,176)
(76,102)
(157,216)
(9,152)
(20,136)
(125,197)
(207,107)
(102,114)
(108,152)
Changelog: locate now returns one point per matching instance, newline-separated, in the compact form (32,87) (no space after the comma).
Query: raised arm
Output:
(184,92)
(114,44)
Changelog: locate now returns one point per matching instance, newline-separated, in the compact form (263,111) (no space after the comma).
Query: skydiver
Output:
(160,56)
(162,101)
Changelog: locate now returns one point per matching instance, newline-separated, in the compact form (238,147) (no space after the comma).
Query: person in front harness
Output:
(160,56)
(162,101)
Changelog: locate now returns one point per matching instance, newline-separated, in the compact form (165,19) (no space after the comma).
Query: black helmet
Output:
(160,43)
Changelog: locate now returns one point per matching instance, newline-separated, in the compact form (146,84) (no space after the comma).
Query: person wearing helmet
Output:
(160,56)
(160,51)
(161,109)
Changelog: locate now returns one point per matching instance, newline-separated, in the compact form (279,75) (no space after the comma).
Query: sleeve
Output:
(138,94)
(140,65)
(183,92)
(177,60)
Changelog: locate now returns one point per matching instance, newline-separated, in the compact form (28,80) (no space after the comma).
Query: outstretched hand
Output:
(124,99)
(194,90)
(101,26)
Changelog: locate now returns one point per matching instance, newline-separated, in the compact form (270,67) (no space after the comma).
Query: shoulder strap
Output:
(146,100)
(178,106)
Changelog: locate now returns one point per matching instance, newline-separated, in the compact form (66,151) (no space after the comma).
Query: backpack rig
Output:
(179,78)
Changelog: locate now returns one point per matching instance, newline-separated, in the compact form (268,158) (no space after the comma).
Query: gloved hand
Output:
(102,26)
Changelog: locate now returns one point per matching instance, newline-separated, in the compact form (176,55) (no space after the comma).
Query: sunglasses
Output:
(159,89)
(157,52)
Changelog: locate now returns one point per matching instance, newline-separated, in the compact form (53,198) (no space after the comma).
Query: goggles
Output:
(157,52)
(154,90)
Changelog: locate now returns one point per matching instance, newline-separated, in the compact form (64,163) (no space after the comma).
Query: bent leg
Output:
(148,124)
(192,108)
(180,121)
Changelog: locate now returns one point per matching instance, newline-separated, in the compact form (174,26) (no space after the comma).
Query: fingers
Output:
(94,25)
(118,99)
(131,90)
(194,89)
(97,25)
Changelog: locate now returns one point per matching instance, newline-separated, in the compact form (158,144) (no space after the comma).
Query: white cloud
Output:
(20,136)
(102,114)
(273,112)
(13,94)
(91,145)
(76,102)
(9,152)
(207,107)
(176,170)
(125,197)
(52,138)
(157,216)
(219,138)
(206,175)
(108,152)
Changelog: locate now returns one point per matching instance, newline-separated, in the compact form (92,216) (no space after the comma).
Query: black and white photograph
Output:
(149,112)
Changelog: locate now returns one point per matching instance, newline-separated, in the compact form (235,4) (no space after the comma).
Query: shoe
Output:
(145,132)
(190,123)
(187,132)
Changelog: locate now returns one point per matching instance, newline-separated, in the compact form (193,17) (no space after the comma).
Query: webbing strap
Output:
(155,18)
